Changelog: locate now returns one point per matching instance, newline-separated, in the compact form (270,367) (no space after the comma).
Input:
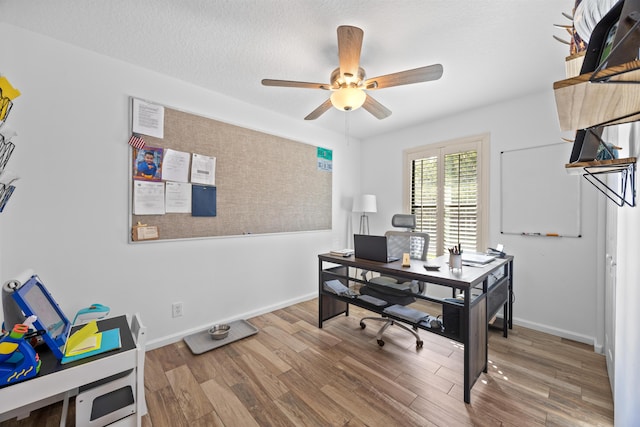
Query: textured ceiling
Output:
(491,50)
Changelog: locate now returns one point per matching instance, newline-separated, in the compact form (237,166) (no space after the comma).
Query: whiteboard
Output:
(537,196)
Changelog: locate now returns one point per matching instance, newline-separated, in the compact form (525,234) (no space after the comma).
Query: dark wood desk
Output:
(486,289)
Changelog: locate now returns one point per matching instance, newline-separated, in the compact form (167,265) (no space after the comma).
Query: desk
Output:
(55,381)
(486,290)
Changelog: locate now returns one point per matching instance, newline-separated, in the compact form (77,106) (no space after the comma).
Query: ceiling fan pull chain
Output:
(346,129)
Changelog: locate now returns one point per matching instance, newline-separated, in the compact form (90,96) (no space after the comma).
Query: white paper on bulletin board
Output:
(537,196)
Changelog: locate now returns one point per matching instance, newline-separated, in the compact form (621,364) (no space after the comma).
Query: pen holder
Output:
(455,262)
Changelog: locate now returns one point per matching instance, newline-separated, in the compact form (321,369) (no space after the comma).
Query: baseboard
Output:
(585,339)
(170,339)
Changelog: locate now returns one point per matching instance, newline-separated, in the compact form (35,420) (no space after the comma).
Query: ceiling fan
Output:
(349,82)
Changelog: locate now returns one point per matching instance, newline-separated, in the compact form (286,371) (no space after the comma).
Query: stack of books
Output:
(342,252)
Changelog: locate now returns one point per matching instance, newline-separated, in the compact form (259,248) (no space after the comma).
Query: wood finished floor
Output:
(293,374)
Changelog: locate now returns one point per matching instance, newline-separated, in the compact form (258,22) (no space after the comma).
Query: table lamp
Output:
(364,204)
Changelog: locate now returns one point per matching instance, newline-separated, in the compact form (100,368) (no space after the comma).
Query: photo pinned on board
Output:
(147,163)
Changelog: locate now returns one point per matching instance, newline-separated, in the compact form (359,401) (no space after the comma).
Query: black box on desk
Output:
(451,316)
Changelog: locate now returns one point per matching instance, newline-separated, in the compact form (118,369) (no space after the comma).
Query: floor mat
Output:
(201,342)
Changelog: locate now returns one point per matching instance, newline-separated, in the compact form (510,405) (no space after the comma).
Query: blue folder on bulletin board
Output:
(203,200)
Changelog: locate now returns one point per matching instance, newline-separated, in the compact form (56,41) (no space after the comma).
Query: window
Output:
(446,188)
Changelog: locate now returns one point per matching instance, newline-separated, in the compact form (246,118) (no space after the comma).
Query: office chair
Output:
(396,290)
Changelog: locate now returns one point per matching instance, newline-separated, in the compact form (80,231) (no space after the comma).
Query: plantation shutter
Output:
(444,198)
(461,200)
(424,198)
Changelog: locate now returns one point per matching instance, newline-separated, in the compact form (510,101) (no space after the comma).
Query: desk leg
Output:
(505,321)
(467,346)
(509,317)
(485,323)
(65,408)
(320,297)
(475,341)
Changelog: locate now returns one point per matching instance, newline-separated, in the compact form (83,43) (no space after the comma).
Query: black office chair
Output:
(394,290)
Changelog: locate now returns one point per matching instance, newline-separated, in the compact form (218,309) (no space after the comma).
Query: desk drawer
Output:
(452,317)
(332,306)
(496,297)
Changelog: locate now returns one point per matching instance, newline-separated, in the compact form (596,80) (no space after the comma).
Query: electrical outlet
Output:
(176,309)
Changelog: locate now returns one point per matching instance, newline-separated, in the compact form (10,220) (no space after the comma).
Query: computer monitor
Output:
(33,298)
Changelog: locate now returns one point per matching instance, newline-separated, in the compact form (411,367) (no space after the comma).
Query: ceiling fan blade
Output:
(289,83)
(375,108)
(320,110)
(349,46)
(417,75)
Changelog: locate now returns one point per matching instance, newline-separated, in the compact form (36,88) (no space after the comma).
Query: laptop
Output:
(373,248)
(585,145)
(477,258)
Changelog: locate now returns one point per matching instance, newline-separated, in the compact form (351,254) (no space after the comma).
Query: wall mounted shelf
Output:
(6,149)
(606,97)
(593,170)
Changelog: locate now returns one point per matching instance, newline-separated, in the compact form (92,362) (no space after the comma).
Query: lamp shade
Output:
(348,98)
(365,203)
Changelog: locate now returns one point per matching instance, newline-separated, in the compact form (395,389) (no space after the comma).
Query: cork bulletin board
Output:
(264,183)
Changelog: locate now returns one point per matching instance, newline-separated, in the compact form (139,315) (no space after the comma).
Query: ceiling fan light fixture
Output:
(348,98)
(348,83)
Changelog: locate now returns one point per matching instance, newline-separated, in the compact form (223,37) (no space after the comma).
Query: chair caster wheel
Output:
(419,344)
(362,325)
(380,343)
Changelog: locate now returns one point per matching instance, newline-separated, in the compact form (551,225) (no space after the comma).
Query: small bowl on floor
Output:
(218,332)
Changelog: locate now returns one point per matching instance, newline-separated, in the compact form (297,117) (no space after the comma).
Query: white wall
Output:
(68,218)
(555,278)
(627,315)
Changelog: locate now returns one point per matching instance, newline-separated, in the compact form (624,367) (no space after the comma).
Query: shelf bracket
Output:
(627,183)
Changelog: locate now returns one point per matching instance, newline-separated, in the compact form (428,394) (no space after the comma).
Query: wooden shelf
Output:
(622,194)
(610,96)
(602,165)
